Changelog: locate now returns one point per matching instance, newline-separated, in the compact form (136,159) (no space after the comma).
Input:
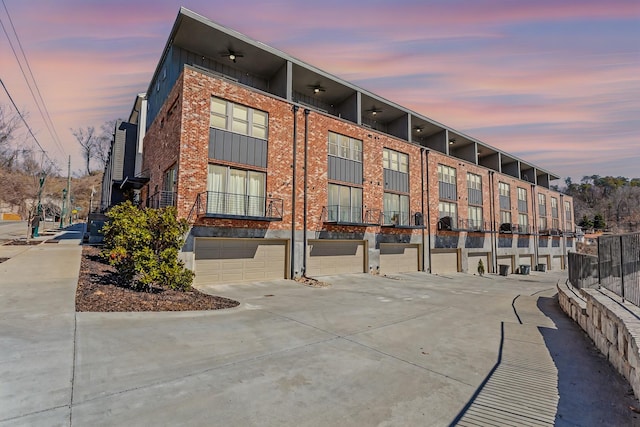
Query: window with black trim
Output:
(227,115)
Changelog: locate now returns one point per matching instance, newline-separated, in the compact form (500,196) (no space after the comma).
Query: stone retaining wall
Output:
(613,326)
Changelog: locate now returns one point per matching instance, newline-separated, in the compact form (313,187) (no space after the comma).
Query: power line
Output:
(45,116)
(24,121)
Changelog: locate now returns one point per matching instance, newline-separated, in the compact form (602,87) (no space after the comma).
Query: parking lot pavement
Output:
(412,349)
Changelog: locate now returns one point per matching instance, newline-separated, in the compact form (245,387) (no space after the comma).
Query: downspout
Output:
(422,201)
(426,158)
(534,216)
(492,213)
(306,175)
(293,192)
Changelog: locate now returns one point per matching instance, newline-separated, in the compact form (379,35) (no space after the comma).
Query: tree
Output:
(103,143)
(585,222)
(598,222)
(143,245)
(87,140)
(9,123)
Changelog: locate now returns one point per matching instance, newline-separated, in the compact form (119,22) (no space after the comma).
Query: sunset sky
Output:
(556,83)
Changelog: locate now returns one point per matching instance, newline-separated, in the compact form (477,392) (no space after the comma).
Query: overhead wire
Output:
(39,100)
(25,121)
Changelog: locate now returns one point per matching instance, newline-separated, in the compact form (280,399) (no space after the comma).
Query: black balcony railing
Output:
(350,215)
(239,206)
(460,224)
(402,219)
(514,229)
(161,199)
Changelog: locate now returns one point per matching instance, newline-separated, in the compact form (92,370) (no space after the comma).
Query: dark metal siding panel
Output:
(505,203)
(233,147)
(340,169)
(447,191)
(475,196)
(396,181)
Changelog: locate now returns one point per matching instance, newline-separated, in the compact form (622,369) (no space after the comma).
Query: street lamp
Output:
(62,212)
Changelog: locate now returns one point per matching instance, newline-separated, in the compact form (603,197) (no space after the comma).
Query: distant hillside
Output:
(609,203)
(19,192)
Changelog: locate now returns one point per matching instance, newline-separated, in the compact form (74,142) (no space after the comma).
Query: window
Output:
(474,189)
(448,212)
(504,191)
(542,204)
(345,204)
(396,209)
(505,217)
(395,160)
(554,214)
(522,200)
(568,225)
(238,118)
(475,217)
(170,179)
(345,147)
(523,223)
(447,182)
(233,191)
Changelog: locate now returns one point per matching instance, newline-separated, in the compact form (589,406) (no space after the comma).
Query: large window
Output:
(504,192)
(554,214)
(345,204)
(396,209)
(542,204)
(345,147)
(238,118)
(505,217)
(475,218)
(474,188)
(568,217)
(394,160)
(448,214)
(233,191)
(447,182)
(522,200)
(523,223)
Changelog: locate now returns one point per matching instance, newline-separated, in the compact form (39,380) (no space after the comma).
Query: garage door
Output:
(444,262)
(327,257)
(399,258)
(524,260)
(239,260)
(474,259)
(556,262)
(544,259)
(507,260)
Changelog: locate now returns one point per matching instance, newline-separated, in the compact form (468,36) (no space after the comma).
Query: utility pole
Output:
(69,188)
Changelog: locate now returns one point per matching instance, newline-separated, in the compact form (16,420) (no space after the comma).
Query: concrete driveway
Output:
(414,349)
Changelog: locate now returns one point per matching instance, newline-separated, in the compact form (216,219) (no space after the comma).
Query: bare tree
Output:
(9,123)
(87,140)
(103,142)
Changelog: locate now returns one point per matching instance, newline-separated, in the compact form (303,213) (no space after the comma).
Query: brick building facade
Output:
(285,170)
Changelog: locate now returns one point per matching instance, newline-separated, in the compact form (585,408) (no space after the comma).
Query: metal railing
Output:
(402,219)
(472,225)
(229,205)
(514,229)
(355,215)
(583,270)
(161,199)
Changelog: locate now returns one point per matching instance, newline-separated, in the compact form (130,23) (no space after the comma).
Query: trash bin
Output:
(504,269)
(524,269)
(542,267)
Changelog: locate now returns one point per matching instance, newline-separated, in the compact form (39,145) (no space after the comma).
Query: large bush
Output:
(143,245)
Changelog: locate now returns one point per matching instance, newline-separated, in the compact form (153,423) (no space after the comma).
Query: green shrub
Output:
(143,246)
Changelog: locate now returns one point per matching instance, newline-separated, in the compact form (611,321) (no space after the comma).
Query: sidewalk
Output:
(37,322)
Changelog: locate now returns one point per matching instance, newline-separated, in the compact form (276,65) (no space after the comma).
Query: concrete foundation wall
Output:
(613,326)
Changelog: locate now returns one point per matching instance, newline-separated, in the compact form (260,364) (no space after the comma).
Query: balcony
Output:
(514,229)
(348,215)
(161,199)
(448,223)
(399,219)
(212,204)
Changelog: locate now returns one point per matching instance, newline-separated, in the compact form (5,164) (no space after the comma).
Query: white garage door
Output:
(239,260)
(327,257)
(556,262)
(506,260)
(544,259)
(524,260)
(474,259)
(444,262)
(399,258)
